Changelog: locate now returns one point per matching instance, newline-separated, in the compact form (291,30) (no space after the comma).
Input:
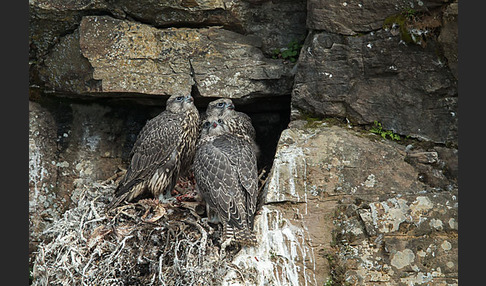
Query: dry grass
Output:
(142,243)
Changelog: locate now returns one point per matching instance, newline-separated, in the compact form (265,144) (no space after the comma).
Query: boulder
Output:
(377,76)
(107,55)
(345,207)
(272,24)
(275,23)
(353,17)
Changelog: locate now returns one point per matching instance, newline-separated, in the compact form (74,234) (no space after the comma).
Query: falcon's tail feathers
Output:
(243,236)
(126,192)
(116,201)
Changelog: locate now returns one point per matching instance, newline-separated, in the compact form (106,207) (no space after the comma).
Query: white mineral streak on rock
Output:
(37,172)
(283,255)
(290,164)
(288,176)
(280,257)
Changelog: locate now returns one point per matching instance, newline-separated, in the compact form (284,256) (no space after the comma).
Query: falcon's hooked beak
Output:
(231,106)
(188,98)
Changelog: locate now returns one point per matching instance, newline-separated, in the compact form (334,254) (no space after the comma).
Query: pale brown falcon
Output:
(225,170)
(164,148)
(225,109)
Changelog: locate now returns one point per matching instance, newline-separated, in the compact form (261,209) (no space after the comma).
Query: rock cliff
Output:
(343,206)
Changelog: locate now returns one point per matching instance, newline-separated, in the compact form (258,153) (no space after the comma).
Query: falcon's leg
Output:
(224,245)
(213,217)
(167,199)
(166,195)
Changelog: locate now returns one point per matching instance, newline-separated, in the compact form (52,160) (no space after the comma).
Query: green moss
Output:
(312,122)
(401,21)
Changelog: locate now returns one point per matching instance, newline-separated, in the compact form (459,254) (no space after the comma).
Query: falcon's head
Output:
(214,125)
(180,103)
(219,107)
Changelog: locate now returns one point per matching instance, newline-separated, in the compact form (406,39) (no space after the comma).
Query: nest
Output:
(142,243)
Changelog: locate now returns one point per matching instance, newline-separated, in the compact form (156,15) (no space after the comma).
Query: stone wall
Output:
(342,205)
(354,210)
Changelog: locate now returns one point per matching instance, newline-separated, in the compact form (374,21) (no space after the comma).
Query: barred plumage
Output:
(225,169)
(164,149)
(225,109)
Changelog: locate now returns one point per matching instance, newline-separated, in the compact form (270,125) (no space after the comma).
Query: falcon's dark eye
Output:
(179,98)
(220,121)
(220,104)
(206,124)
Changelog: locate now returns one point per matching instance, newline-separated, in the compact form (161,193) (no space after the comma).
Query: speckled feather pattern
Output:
(164,148)
(225,170)
(242,124)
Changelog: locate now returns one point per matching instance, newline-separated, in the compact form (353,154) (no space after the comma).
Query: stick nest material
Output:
(141,243)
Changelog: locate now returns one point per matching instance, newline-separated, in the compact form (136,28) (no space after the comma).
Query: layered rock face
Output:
(126,57)
(342,205)
(347,207)
(382,63)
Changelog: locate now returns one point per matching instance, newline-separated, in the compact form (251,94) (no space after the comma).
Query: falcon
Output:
(225,170)
(163,150)
(225,108)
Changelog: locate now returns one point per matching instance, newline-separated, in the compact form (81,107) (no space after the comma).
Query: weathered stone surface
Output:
(50,20)
(354,212)
(406,261)
(127,57)
(66,70)
(72,145)
(416,215)
(437,167)
(332,161)
(180,13)
(271,24)
(377,77)
(276,23)
(46,201)
(352,17)
(449,36)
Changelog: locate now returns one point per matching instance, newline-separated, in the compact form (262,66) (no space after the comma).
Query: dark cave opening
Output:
(126,116)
